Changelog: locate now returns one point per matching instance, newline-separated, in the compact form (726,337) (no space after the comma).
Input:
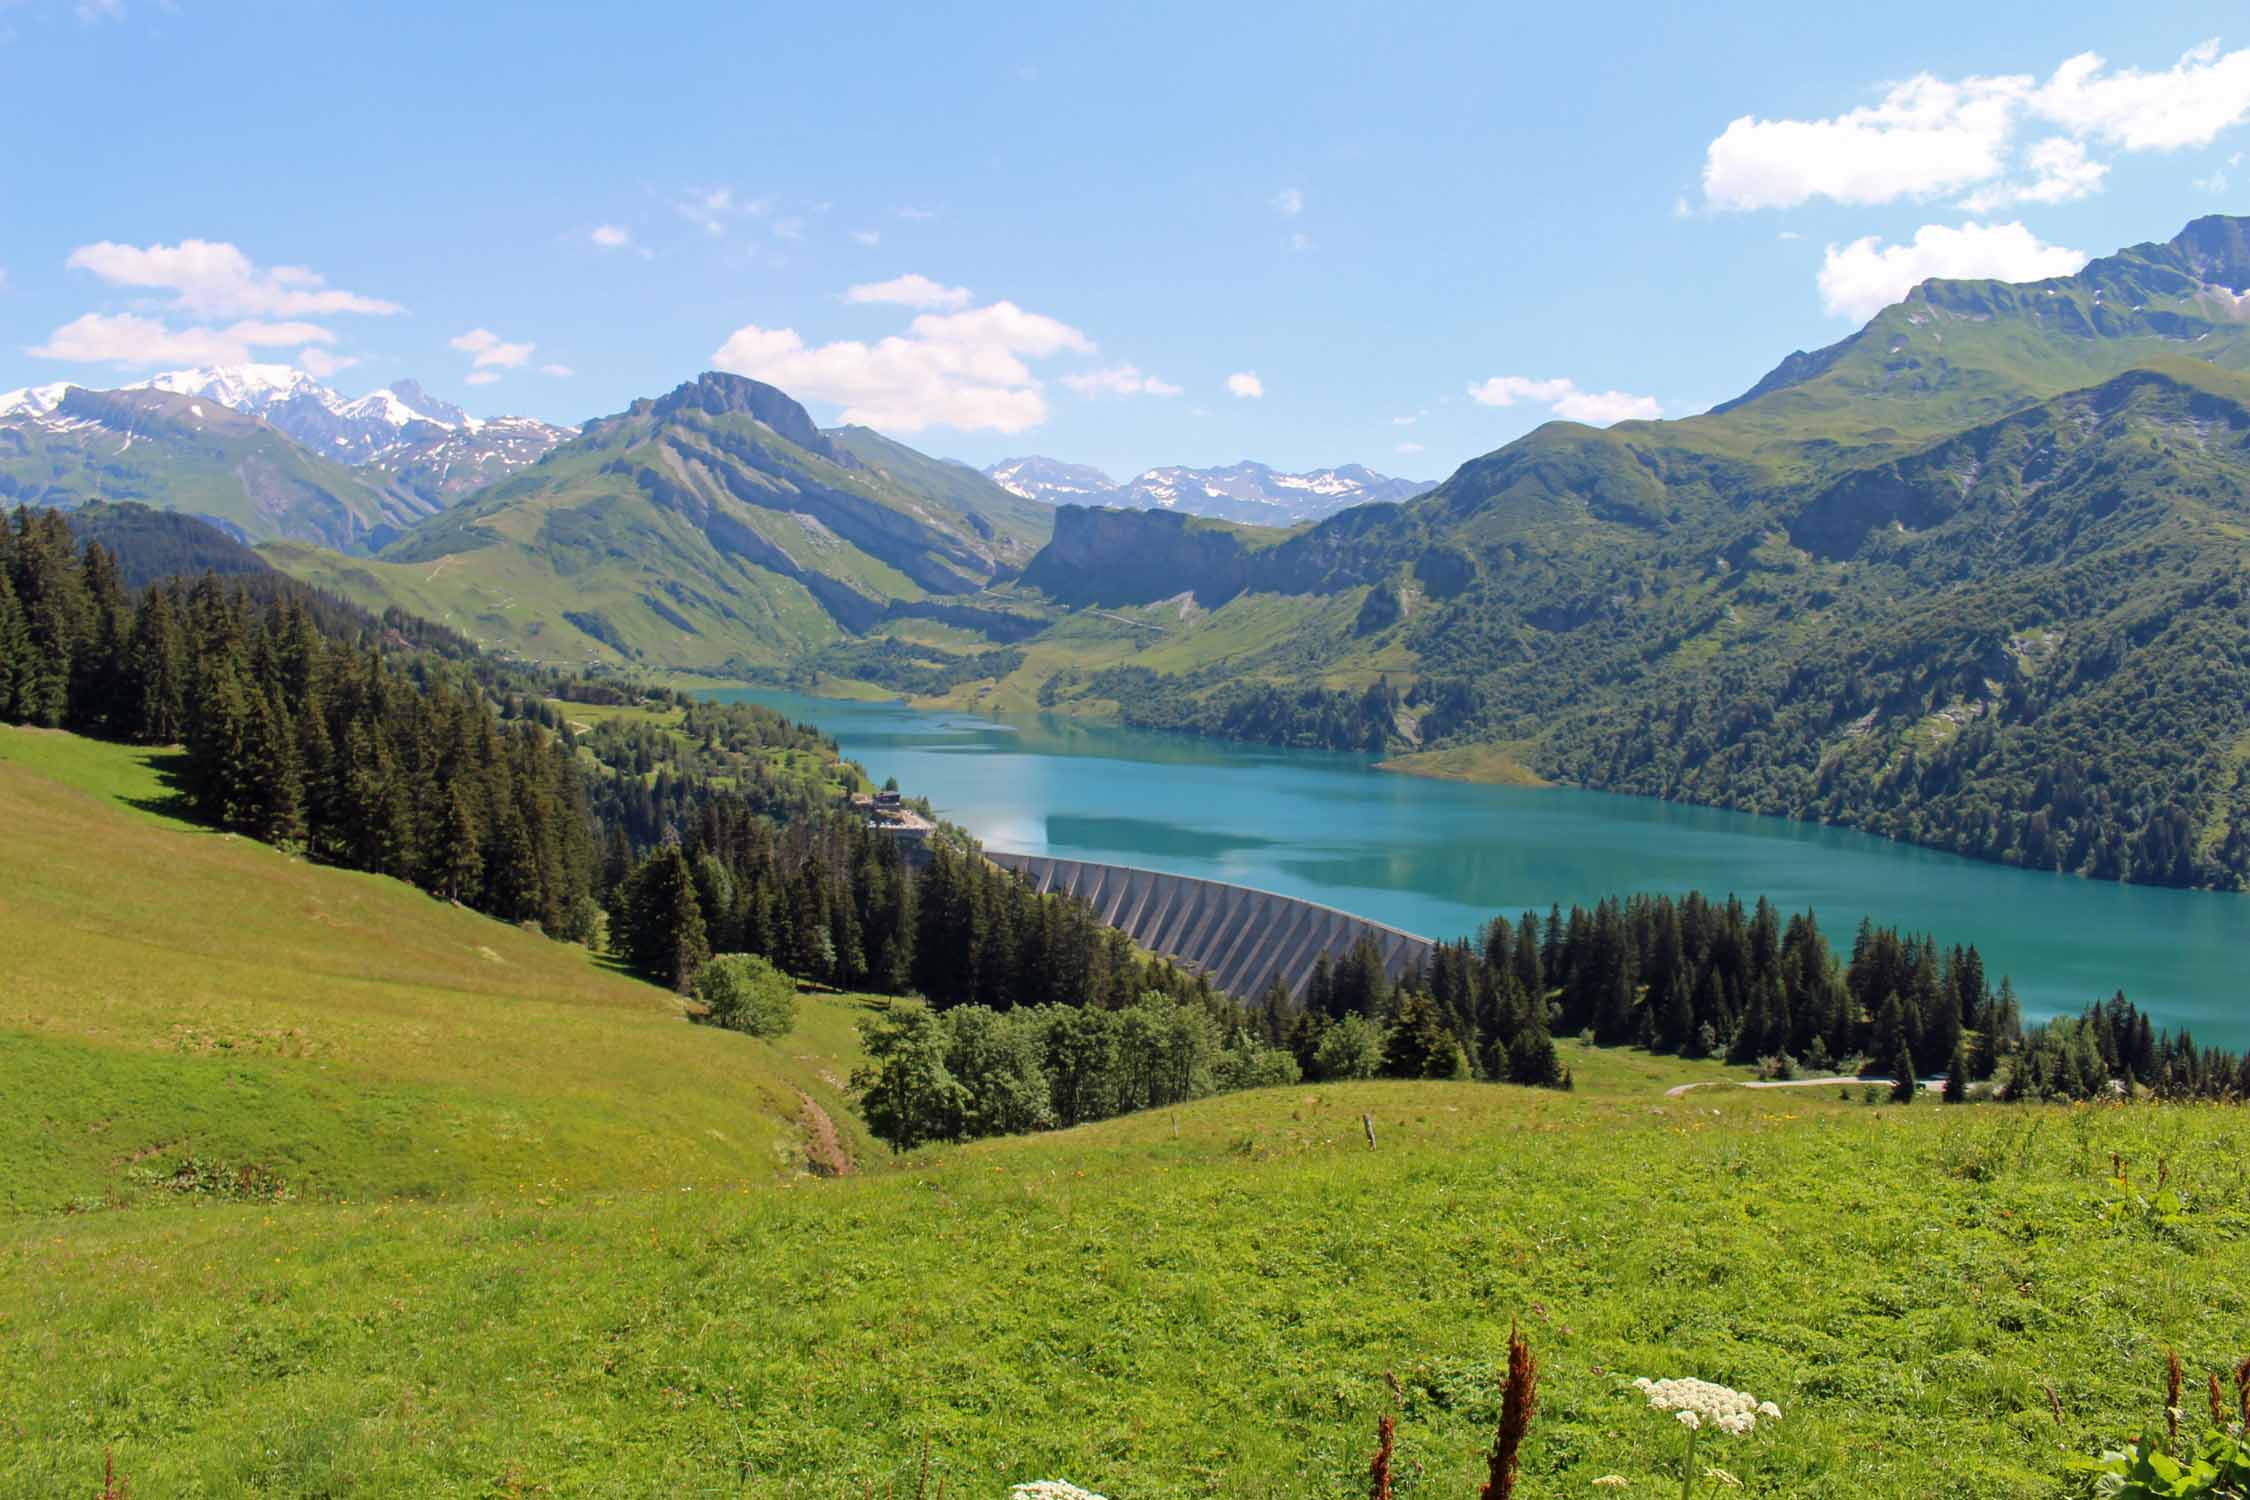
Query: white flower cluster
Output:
(1699,1404)
(1051,1489)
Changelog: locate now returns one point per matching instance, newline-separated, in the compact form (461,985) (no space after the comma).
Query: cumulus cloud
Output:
(1931,136)
(559,372)
(489,351)
(318,362)
(1562,396)
(963,369)
(1120,380)
(480,377)
(129,340)
(2060,174)
(2187,104)
(611,236)
(1246,384)
(1862,278)
(1926,136)
(213,279)
(910,290)
(1289,203)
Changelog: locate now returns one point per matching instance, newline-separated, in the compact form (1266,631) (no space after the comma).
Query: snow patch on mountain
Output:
(1247,492)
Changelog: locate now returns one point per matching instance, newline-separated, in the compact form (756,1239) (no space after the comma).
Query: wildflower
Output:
(1051,1489)
(1698,1404)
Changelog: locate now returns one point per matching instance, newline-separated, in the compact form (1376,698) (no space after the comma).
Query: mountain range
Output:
(1250,493)
(1972,577)
(264,451)
(715,527)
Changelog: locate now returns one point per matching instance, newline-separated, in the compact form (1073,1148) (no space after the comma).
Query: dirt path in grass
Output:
(824,1149)
(1929,1085)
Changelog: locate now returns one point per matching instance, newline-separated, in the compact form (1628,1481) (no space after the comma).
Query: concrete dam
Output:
(1240,937)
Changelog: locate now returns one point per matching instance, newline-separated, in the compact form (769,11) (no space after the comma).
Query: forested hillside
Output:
(1972,578)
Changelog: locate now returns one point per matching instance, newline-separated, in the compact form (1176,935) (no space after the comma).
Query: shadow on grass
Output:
(170,766)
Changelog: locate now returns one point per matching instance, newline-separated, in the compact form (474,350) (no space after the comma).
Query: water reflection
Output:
(1438,857)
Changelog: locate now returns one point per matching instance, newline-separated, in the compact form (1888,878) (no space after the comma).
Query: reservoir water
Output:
(1440,857)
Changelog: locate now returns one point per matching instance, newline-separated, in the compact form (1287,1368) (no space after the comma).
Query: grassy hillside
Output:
(1212,1302)
(714,528)
(169,994)
(519,1230)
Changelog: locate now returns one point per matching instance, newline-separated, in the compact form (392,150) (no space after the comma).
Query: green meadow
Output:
(476,1217)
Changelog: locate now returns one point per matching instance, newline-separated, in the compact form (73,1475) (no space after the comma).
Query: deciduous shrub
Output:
(746,993)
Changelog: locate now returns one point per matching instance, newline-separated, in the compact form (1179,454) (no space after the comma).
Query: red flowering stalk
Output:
(1517,1402)
(1379,1472)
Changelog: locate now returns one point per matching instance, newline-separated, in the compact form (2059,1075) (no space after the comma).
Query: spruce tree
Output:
(1957,1073)
(1904,1084)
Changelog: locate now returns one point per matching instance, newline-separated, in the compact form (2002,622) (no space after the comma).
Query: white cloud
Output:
(1862,278)
(1120,380)
(93,11)
(1408,421)
(1246,384)
(2215,183)
(1930,136)
(491,351)
(713,210)
(1409,448)
(1562,396)
(213,279)
(1926,136)
(868,237)
(2061,174)
(910,290)
(2187,104)
(131,340)
(1300,241)
(611,236)
(963,369)
(480,377)
(316,361)
(559,372)
(1289,203)
(1789,234)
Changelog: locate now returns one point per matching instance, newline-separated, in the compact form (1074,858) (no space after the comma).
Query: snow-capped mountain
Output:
(1053,481)
(432,446)
(1246,492)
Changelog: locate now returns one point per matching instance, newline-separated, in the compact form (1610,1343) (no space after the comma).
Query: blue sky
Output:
(1392,234)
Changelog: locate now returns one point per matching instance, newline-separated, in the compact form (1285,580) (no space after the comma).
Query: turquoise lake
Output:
(1440,857)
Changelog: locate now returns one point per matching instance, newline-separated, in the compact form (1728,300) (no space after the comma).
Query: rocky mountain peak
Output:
(721,395)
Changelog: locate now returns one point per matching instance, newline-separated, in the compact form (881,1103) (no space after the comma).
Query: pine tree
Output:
(1904,1085)
(1957,1073)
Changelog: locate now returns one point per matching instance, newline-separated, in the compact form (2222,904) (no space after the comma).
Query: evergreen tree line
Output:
(1701,978)
(831,900)
(2112,1048)
(298,730)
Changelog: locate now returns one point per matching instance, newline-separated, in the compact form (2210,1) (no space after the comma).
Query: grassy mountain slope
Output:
(1215,1300)
(714,528)
(1018,527)
(179,454)
(168,994)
